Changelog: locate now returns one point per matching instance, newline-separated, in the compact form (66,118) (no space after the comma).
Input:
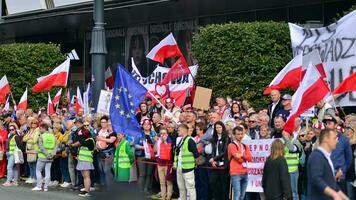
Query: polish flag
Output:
(179,68)
(57,98)
(289,76)
(23,102)
(312,90)
(166,48)
(4,88)
(109,79)
(50,106)
(79,104)
(58,77)
(7,106)
(347,85)
(314,58)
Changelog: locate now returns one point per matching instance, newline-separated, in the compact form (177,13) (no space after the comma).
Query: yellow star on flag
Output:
(117,106)
(132,111)
(125,89)
(117,97)
(128,116)
(131,103)
(122,112)
(129,96)
(120,89)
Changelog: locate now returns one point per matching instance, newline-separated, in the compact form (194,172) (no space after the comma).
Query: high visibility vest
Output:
(165,151)
(124,160)
(85,154)
(48,142)
(188,160)
(12,145)
(292,160)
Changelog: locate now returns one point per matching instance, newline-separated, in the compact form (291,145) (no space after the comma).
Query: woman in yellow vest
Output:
(123,160)
(47,148)
(13,143)
(31,139)
(85,159)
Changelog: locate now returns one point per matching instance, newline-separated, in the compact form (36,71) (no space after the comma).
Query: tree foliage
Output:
(23,63)
(241,59)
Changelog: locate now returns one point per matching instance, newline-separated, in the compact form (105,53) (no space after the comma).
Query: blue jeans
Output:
(32,167)
(294,183)
(63,165)
(12,172)
(239,185)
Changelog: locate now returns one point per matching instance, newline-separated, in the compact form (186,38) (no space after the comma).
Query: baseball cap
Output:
(329,118)
(287,97)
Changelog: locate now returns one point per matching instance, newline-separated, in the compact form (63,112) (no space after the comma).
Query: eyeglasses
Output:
(251,121)
(86,125)
(12,129)
(302,135)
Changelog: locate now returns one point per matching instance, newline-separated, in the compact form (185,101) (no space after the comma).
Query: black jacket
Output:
(276,180)
(222,149)
(278,107)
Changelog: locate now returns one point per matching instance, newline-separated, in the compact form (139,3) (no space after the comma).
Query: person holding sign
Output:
(276,180)
(238,155)
(322,183)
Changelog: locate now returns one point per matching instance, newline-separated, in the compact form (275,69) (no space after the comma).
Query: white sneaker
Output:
(65,185)
(45,189)
(28,180)
(36,189)
(91,189)
(31,180)
(53,183)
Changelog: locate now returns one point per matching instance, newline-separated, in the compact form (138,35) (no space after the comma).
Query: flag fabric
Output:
(166,48)
(57,98)
(23,102)
(79,104)
(86,100)
(50,106)
(179,68)
(7,106)
(313,57)
(289,76)
(127,95)
(312,90)
(4,88)
(58,77)
(134,67)
(347,85)
(109,79)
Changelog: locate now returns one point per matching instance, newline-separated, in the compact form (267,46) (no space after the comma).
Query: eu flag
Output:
(127,95)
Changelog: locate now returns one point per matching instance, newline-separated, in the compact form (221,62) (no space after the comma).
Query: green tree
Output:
(23,63)
(241,59)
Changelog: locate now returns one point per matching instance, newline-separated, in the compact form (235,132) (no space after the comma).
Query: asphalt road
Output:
(22,192)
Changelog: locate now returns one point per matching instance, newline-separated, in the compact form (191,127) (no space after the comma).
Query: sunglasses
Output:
(302,135)
(86,125)
(12,129)
(251,121)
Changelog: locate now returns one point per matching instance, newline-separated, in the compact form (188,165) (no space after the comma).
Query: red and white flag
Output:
(58,77)
(23,102)
(50,106)
(289,76)
(57,98)
(314,58)
(179,68)
(109,79)
(166,48)
(79,104)
(7,105)
(312,90)
(347,85)
(4,88)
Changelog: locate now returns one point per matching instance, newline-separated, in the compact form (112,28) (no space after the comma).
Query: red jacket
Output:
(236,165)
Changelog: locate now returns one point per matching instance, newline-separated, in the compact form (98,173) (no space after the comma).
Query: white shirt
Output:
(327,155)
(274,104)
(179,159)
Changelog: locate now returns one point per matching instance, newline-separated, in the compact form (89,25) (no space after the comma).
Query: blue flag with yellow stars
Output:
(126,97)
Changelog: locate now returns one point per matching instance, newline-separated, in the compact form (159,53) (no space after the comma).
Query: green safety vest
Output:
(292,160)
(85,154)
(48,142)
(188,160)
(12,145)
(124,160)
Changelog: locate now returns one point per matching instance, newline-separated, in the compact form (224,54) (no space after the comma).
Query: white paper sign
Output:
(104,102)
(260,150)
(337,47)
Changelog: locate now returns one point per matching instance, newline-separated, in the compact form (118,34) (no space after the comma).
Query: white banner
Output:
(104,102)
(260,150)
(337,48)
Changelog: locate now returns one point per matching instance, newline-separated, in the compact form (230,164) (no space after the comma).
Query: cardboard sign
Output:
(104,102)
(202,98)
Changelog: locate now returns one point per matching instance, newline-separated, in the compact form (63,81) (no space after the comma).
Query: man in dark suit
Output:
(274,107)
(322,183)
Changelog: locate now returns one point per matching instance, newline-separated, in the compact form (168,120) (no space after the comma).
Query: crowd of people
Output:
(182,152)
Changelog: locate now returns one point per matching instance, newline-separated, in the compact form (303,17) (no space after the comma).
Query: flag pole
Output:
(13,100)
(333,99)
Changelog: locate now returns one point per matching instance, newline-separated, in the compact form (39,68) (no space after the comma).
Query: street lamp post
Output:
(98,51)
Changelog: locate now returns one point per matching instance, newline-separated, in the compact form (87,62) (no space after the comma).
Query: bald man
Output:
(275,106)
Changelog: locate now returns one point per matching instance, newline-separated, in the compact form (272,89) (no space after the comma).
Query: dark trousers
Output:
(219,181)
(342,185)
(56,174)
(202,183)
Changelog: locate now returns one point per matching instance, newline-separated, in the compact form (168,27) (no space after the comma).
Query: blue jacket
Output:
(342,155)
(139,142)
(320,175)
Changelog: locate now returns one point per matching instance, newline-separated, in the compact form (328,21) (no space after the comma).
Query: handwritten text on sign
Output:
(260,150)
